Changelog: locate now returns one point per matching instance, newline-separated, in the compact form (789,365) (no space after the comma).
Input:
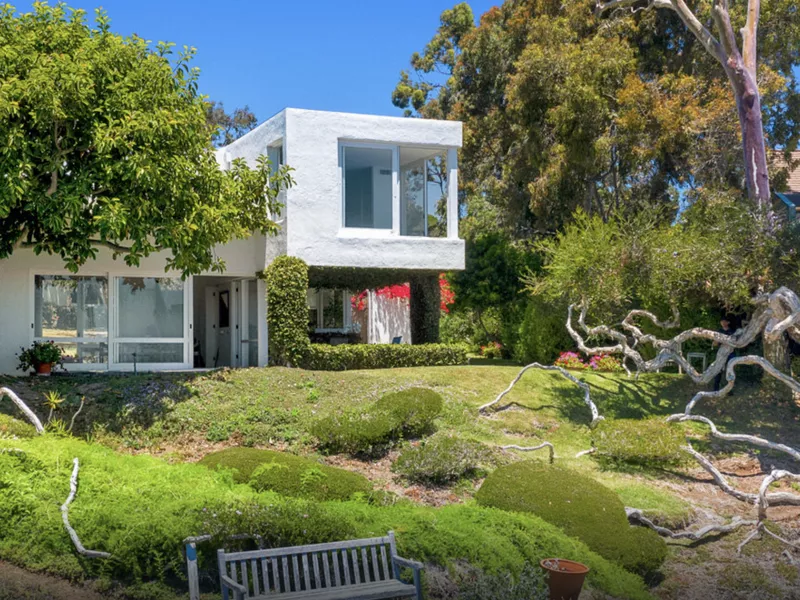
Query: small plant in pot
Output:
(41,357)
(565,578)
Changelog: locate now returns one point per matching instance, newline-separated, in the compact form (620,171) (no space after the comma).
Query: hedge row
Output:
(321,357)
(287,310)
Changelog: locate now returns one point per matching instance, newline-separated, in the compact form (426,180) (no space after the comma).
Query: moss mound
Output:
(582,507)
(647,442)
(413,410)
(288,475)
(407,413)
(14,428)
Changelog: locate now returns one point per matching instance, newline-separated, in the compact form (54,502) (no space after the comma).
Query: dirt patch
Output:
(17,584)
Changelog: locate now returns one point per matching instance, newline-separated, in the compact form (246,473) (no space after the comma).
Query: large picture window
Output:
(368,187)
(73,312)
(423,192)
(329,310)
(150,320)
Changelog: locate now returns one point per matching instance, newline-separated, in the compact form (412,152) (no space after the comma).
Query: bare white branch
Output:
(636,515)
(73,490)
(4,391)
(584,386)
(532,448)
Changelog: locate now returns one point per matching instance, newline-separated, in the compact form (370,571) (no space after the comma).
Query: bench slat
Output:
(265,576)
(306,574)
(365,565)
(330,559)
(317,578)
(254,571)
(245,583)
(296,574)
(356,571)
(386,573)
(346,566)
(289,550)
(287,586)
(376,574)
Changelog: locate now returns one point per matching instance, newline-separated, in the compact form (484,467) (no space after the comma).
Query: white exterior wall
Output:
(315,204)
(243,258)
(388,318)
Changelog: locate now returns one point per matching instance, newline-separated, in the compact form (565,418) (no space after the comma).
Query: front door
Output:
(245,320)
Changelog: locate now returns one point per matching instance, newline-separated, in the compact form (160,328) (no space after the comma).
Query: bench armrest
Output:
(239,591)
(405,562)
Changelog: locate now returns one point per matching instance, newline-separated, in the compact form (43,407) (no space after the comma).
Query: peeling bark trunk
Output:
(748,104)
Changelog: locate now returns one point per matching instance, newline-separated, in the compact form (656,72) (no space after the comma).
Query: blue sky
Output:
(323,54)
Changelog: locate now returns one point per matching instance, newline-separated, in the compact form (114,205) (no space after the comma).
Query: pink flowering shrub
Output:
(598,362)
(570,360)
(605,362)
(492,350)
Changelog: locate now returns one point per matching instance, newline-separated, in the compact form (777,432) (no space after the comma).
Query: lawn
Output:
(179,418)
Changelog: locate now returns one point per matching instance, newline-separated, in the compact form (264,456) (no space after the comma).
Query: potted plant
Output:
(565,578)
(40,357)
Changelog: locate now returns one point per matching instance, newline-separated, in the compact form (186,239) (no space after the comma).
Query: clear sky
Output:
(343,55)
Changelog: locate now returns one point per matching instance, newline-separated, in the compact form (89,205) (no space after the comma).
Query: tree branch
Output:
(750,36)
(4,391)
(532,448)
(73,490)
(635,514)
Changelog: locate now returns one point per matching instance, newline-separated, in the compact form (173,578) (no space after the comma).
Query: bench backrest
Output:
(277,571)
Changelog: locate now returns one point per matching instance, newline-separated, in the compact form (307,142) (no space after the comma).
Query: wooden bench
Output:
(365,569)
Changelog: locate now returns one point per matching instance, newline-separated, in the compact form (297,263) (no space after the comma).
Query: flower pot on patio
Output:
(44,369)
(565,578)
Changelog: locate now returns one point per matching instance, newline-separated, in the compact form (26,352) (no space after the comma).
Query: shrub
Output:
(492,350)
(413,410)
(346,357)
(475,584)
(570,360)
(542,332)
(605,362)
(443,459)
(288,475)
(369,433)
(406,413)
(652,442)
(139,508)
(287,309)
(11,427)
(581,506)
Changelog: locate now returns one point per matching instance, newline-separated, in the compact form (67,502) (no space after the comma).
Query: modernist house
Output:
(372,193)
(790,199)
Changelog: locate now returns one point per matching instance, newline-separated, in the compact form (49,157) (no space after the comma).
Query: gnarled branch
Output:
(4,391)
(636,515)
(73,490)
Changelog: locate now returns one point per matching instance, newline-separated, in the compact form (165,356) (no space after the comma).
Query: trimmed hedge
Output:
(443,459)
(370,432)
(578,504)
(413,410)
(288,475)
(648,442)
(287,310)
(14,428)
(346,357)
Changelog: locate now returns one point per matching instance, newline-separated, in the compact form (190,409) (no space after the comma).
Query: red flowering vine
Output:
(403,291)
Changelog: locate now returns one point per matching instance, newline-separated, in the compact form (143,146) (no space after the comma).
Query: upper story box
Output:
(371,191)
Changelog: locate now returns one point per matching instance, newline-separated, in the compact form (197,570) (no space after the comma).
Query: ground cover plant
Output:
(406,413)
(140,508)
(579,505)
(288,475)
(650,442)
(444,458)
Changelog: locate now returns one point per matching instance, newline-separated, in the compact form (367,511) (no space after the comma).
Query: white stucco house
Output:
(371,192)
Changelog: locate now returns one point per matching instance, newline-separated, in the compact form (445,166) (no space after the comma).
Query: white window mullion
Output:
(396,190)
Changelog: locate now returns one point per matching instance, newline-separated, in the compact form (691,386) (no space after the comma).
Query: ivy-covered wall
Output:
(287,310)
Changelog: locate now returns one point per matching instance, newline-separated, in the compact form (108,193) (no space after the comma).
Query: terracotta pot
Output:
(44,369)
(565,580)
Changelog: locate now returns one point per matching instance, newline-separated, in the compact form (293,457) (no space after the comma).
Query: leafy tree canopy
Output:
(563,110)
(229,127)
(105,143)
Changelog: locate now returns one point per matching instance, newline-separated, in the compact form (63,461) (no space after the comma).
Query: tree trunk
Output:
(777,352)
(748,104)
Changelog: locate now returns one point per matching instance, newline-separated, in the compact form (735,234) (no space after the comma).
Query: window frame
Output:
(347,315)
(451,156)
(113,339)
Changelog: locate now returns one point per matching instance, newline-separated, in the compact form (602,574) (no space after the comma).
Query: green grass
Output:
(139,508)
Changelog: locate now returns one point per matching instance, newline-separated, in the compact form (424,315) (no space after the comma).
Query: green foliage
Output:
(542,333)
(229,127)
(581,506)
(40,353)
(368,432)
(424,309)
(11,428)
(287,310)
(413,409)
(94,115)
(287,474)
(650,442)
(140,509)
(443,459)
(346,357)
(474,584)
